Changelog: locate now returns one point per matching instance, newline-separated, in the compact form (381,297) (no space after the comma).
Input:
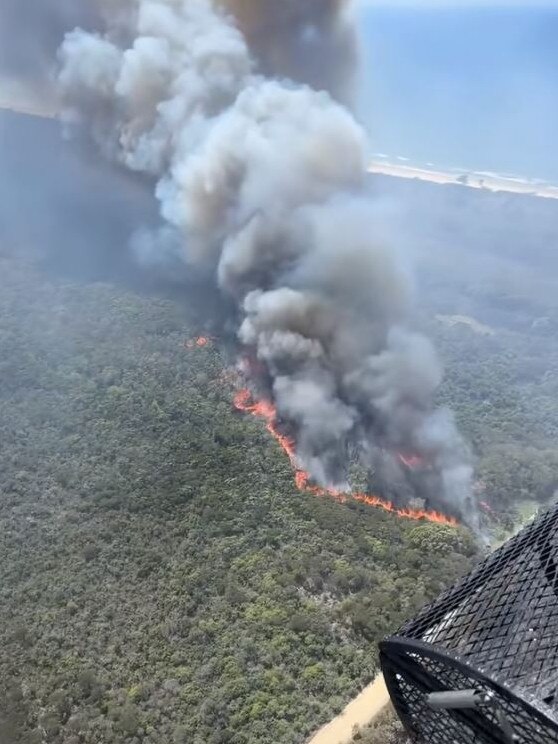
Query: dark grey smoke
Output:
(261,181)
(74,212)
(313,42)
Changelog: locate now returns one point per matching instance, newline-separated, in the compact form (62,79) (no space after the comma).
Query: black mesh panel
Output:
(495,631)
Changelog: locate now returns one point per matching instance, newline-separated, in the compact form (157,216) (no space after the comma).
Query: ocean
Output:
(470,88)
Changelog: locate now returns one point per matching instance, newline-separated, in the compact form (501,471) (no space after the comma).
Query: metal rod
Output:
(453,699)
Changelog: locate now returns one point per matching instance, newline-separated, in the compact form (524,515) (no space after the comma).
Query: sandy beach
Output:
(488,181)
(23,99)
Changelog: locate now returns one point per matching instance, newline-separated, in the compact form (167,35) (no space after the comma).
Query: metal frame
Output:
(405,665)
(480,664)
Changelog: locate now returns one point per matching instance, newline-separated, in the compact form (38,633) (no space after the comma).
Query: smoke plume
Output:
(261,181)
(312,42)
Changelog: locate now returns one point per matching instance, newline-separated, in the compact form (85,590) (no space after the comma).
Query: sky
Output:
(429,4)
(468,85)
(465,84)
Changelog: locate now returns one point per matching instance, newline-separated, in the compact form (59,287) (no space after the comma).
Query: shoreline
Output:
(28,109)
(492,182)
(19,103)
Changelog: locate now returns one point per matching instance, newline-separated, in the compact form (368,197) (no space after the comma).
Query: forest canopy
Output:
(162,578)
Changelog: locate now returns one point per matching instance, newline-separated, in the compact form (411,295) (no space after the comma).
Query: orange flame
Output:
(486,507)
(266,410)
(411,461)
(199,342)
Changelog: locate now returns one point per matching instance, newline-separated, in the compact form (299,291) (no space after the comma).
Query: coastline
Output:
(488,181)
(18,101)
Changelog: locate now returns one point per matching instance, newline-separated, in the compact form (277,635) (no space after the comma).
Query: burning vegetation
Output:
(267,411)
(200,342)
(262,184)
(262,187)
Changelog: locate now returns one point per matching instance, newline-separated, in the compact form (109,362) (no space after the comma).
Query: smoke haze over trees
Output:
(161,578)
(151,536)
(262,183)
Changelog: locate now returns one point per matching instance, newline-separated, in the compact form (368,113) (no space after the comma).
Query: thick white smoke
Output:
(262,181)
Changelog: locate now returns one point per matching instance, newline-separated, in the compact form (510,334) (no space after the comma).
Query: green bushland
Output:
(162,580)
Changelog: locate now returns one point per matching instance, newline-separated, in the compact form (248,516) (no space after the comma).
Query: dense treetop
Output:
(162,578)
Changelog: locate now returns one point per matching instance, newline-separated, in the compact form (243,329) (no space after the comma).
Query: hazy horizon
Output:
(462,87)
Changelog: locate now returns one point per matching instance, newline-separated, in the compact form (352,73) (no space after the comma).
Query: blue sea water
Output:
(471,88)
